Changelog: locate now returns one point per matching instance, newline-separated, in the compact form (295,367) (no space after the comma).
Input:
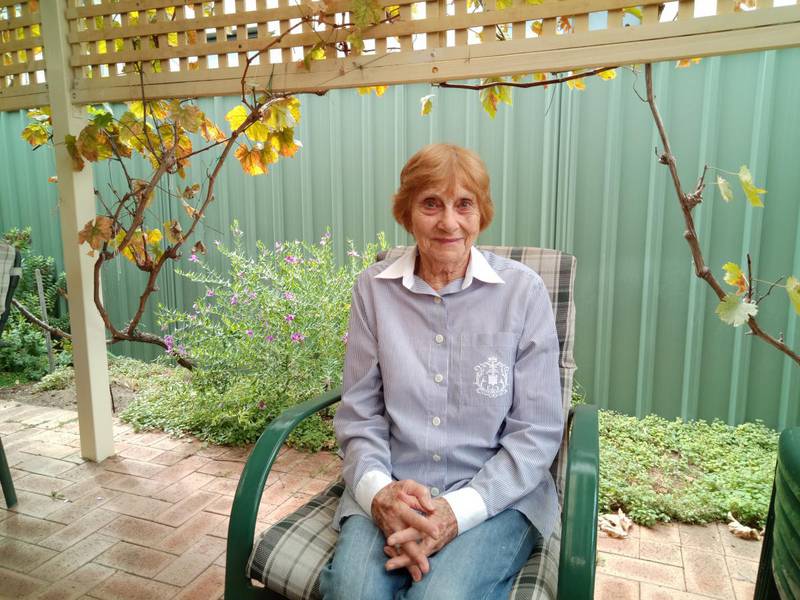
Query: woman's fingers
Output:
(411,555)
(409,534)
(411,518)
(416,574)
(420,492)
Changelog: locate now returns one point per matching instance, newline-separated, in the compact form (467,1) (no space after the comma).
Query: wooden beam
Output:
(76,207)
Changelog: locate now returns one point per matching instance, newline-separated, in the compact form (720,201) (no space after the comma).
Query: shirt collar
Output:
(478,268)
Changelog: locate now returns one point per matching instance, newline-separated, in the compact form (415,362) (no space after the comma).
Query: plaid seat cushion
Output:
(288,557)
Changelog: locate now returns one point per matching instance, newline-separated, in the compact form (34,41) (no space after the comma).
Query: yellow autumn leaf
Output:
(536,27)
(686,62)
(607,75)
(35,134)
(724,189)
(236,116)
(735,277)
(576,84)
(752,192)
(793,289)
(258,131)
(426,104)
(210,131)
(534,2)
(379,90)
(173,231)
(251,160)
(504,4)
(155,108)
(172,39)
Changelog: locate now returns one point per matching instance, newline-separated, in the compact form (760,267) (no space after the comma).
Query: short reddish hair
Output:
(441,166)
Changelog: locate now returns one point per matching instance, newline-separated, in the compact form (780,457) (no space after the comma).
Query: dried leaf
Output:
(174,231)
(686,62)
(96,232)
(199,247)
(742,531)
(72,148)
(615,525)
(190,210)
(724,189)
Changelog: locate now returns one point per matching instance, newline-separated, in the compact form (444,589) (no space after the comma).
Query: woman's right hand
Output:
(397,507)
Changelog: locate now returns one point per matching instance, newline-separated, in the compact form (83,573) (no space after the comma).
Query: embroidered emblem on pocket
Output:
(491,378)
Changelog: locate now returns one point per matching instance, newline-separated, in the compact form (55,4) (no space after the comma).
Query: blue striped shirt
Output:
(457,389)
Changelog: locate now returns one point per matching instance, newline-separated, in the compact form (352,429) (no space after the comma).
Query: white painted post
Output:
(76,207)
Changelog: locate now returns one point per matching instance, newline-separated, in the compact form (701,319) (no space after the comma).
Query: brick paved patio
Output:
(151,522)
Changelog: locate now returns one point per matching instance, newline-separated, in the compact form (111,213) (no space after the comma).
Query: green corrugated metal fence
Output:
(573,170)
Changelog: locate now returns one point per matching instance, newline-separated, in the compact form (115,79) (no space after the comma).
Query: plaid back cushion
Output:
(288,557)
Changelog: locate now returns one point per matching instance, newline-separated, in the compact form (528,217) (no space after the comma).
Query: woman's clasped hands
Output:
(415,525)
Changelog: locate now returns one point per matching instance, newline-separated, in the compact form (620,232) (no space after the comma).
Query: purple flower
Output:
(234,300)
(193,258)
(270,338)
(346,336)
(298,337)
(288,295)
(252,295)
(292,260)
(249,333)
(210,293)
(353,253)
(170,342)
(289,318)
(261,405)
(325,237)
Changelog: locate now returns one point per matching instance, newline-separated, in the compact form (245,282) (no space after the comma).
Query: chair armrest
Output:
(579,521)
(242,525)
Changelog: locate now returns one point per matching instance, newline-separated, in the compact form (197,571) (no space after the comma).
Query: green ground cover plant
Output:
(694,472)
(268,334)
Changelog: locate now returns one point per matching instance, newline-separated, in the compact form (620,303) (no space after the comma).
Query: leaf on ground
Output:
(735,277)
(752,192)
(724,189)
(615,525)
(96,231)
(793,289)
(742,531)
(734,311)
(426,103)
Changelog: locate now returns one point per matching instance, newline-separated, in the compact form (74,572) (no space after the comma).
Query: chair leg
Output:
(5,479)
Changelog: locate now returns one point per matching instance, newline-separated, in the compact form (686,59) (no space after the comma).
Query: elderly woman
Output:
(451,407)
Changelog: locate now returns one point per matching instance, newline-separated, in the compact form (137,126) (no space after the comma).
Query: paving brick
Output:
(41,484)
(608,587)
(134,485)
(72,511)
(654,592)
(669,554)
(704,537)
(36,505)
(22,556)
(628,546)
(182,538)
(76,531)
(741,569)
(661,532)
(28,529)
(222,485)
(7,428)
(182,469)
(221,530)
(138,531)
(73,558)
(737,547)
(137,506)
(239,453)
(167,458)
(51,450)
(141,453)
(124,586)
(209,585)
(133,467)
(641,570)
(16,585)
(316,486)
(743,590)
(183,510)
(44,465)
(184,487)
(311,464)
(223,468)
(193,562)
(135,559)
(76,584)
(706,573)
(222,506)
(83,471)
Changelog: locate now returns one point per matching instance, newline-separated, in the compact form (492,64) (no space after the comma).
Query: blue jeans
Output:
(479,564)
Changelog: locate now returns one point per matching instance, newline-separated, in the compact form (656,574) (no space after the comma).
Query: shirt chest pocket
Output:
(486,368)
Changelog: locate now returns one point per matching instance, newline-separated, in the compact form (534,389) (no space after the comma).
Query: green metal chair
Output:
(287,557)
(10,261)
(779,567)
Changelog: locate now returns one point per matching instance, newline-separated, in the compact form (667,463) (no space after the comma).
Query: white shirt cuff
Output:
(468,507)
(370,484)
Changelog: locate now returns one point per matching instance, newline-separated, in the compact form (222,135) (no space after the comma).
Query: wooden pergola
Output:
(69,53)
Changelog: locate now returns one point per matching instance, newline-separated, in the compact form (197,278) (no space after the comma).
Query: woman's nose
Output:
(448,220)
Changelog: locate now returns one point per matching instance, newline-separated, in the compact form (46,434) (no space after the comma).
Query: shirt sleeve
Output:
(534,425)
(361,426)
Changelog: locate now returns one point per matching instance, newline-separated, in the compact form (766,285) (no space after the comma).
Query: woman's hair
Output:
(442,166)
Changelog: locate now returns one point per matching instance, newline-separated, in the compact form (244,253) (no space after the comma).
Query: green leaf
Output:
(752,192)
(724,189)
(427,104)
(793,289)
(365,13)
(734,311)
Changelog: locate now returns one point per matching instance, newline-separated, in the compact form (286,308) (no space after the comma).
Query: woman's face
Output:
(445,223)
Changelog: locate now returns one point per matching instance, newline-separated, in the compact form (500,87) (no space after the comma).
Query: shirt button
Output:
(436,458)
(439,338)
(438,378)
(437,300)
(436,421)
(434,491)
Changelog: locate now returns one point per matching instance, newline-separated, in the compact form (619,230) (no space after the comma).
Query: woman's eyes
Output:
(465,203)
(430,203)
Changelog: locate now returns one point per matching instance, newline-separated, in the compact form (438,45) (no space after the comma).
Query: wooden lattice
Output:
(179,49)
(22,77)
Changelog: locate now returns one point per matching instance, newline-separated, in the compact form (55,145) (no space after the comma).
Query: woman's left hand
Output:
(445,520)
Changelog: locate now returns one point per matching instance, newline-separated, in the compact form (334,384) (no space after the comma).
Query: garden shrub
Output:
(694,472)
(22,349)
(265,336)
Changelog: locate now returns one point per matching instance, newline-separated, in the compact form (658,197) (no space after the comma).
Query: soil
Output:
(120,396)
